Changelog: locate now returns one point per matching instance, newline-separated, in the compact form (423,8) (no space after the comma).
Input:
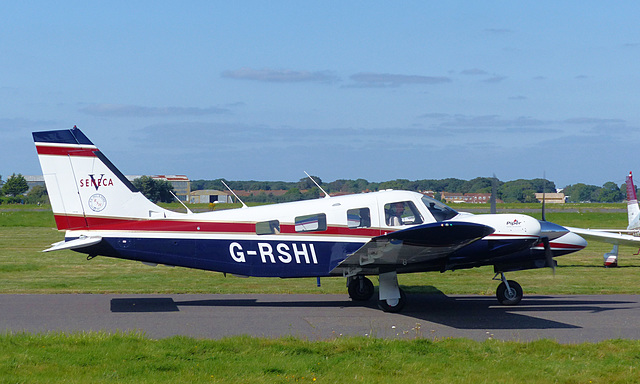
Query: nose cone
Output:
(552,231)
(568,243)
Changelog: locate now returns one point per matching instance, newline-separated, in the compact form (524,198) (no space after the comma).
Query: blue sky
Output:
(375,90)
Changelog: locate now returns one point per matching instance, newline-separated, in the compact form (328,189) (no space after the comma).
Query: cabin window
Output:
(401,213)
(358,218)
(268,227)
(307,223)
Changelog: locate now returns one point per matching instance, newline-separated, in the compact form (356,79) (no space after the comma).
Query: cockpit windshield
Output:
(439,210)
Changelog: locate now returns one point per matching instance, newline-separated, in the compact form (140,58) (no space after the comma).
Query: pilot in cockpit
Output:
(394,214)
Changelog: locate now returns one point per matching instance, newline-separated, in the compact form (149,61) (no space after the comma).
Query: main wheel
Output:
(510,296)
(360,288)
(393,305)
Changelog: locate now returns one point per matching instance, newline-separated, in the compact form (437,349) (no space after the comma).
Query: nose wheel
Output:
(393,305)
(509,292)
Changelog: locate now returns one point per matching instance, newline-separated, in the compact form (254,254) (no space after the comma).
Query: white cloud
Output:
(474,72)
(281,76)
(592,120)
(495,79)
(374,80)
(120,110)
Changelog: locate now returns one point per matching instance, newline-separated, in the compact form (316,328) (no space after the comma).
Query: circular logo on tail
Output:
(97,202)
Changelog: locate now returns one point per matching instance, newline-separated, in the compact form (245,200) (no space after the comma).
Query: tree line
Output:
(521,190)
(14,188)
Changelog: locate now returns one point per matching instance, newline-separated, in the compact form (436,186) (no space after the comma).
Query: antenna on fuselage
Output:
(494,194)
(180,201)
(544,192)
(234,194)
(317,185)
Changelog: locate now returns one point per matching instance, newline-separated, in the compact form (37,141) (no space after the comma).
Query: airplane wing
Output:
(611,236)
(81,242)
(414,245)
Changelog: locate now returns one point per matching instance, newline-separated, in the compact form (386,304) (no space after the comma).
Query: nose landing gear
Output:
(509,292)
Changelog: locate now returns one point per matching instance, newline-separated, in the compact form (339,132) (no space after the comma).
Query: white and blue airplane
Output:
(382,233)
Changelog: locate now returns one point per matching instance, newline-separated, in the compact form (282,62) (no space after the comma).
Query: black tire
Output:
(360,288)
(384,305)
(511,297)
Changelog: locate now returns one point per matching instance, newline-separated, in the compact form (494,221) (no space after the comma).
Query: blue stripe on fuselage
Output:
(241,257)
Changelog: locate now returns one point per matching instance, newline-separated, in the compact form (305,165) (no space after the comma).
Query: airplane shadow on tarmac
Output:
(461,312)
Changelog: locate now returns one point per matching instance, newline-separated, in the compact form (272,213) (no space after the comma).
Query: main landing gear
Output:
(360,288)
(509,292)
(391,297)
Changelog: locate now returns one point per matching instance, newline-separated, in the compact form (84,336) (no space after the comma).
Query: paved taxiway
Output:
(568,319)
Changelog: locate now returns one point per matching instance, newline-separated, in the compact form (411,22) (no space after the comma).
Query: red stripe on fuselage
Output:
(64,222)
(560,246)
(163,225)
(66,151)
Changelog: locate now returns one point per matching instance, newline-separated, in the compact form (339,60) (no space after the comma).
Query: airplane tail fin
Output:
(85,189)
(632,201)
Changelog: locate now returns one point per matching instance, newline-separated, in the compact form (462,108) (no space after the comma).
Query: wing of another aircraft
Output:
(413,245)
(621,237)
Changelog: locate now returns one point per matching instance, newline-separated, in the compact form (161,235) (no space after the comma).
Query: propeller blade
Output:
(548,253)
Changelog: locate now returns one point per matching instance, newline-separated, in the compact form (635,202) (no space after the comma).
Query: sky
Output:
(256,90)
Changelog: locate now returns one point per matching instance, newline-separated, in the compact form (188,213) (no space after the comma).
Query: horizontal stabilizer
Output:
(81,242)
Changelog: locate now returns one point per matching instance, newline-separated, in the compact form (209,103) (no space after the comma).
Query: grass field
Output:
(133,358)
(26,231)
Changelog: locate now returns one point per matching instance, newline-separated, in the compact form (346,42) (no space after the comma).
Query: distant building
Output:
(181,184)
(431,194)
(206,196)
(473,198)
(33,180)
(552,198)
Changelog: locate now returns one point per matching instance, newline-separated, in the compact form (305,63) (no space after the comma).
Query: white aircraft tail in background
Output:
(633,210)
(617,237)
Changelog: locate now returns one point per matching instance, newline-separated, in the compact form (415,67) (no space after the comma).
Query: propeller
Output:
(549,231)
(548,254)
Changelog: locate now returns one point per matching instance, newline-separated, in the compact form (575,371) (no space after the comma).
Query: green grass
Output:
(132,358)
(27,218)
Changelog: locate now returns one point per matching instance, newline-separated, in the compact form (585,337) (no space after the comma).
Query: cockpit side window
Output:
(439,210)
(308,223)
(401,213)
(268,227)
(359,218)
